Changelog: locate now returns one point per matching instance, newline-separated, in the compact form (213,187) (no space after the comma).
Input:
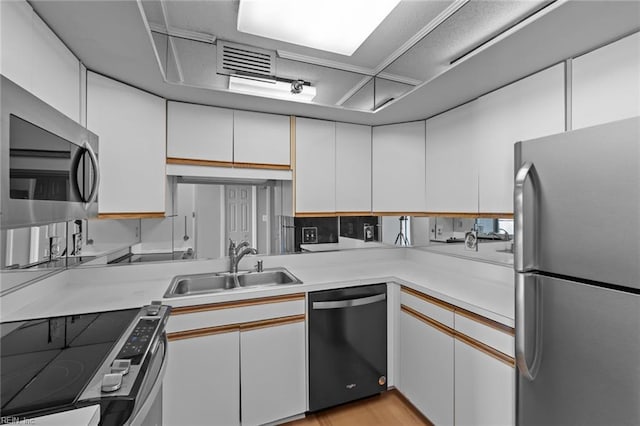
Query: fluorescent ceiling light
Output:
(270,88)
(338,26)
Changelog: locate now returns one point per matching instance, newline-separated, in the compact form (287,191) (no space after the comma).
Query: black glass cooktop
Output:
(48,362)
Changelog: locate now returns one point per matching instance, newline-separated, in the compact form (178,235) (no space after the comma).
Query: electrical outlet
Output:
(309,235)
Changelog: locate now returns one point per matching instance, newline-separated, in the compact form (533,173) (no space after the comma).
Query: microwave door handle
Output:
(523,223)
(96,181)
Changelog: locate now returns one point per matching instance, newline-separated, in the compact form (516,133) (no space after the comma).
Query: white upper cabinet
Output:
(34,58)
(315,181)
(606,83)
(353,168)
(199,132)
(131,126)
(530,108)
(398,179)
(452,169)
(261,138)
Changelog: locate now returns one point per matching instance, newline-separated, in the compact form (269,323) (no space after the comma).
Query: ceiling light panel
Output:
(270,89)
(337,26)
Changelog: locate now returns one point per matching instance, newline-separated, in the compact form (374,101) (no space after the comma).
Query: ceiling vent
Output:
(245,60)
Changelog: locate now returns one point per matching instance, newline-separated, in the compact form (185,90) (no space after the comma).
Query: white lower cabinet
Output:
(236,363)
(201,385)
(272,377)
(484,388)
(454,371)
(426,368)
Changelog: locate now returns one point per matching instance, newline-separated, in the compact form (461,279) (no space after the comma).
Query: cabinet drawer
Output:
(485,332)
(428,306)
(235,313)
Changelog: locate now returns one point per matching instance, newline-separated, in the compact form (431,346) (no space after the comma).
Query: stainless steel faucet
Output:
(236,253)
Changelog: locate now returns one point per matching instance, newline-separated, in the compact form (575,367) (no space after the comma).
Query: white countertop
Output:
(480,287)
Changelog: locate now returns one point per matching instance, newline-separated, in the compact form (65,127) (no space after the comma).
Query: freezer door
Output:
(589,351)
(584,197)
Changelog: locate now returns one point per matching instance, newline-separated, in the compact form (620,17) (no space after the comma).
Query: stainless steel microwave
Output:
(50,170)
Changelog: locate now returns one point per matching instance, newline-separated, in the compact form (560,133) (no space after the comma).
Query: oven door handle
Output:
(337,304)
(140,412)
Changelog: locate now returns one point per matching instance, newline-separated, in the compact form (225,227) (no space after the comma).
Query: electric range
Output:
(115,359)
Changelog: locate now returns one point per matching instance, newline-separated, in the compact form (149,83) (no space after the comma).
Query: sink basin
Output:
(267,278)
(186,285)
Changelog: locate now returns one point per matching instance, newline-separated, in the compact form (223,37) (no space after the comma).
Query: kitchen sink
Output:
(187,285)
(267,278)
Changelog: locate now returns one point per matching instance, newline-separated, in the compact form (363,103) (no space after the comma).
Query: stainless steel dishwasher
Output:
(347,344)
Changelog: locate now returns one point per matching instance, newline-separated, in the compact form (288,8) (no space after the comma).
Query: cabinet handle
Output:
(337,304)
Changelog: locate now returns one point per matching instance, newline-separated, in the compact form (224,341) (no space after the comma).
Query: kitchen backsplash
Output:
(353,226)
(327,229)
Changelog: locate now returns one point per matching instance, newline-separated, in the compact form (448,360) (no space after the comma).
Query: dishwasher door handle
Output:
(337,304)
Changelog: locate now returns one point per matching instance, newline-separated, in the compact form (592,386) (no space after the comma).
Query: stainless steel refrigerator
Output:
(577,264)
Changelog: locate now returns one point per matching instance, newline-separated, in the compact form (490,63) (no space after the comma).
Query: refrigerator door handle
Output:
(528,330)
(523,224)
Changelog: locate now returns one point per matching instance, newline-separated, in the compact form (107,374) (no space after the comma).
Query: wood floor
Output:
(387,409)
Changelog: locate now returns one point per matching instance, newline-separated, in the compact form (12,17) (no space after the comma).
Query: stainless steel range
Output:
(115,359)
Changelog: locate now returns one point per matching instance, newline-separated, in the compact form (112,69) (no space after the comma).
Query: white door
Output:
(239,201)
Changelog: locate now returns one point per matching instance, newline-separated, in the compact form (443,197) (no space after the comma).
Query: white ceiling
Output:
(110,37)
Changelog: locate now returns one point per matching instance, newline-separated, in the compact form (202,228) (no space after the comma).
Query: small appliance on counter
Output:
(115,359)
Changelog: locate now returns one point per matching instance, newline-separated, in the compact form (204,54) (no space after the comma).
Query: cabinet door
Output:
(452,169)
(353,168)
(273,373)
(426,369)
(398,181)
(528,109)
(261,138)
(605,83)
(315,166)
(484,388)
(131,126)
(199,132)
(17,40)
(56,71)
(201,385)
(34,58)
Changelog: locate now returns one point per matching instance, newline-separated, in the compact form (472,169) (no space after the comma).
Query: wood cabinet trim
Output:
(465,313)
(238,165)
(227,328)
(486,321)
(195,162)
(433,323)
(272,322)
(353,214)
(428,299)
(201,332)
(133,215)
(181,310)
(315,214)
(378,213)
(471,215)
(494,353)
(262,166)
(292,159)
